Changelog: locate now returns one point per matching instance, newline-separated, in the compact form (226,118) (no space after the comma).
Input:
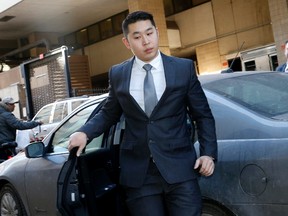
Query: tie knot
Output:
(147,67)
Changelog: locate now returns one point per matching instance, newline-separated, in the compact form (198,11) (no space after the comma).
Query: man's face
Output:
(286,50)
(142,40)
(11,106)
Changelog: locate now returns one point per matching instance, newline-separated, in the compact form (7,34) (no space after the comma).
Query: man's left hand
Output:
(205,164)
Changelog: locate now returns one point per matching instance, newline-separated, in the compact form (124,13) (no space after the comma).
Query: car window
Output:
(44,114)
(266,93)
(60,112)
(61,136)
(77,103)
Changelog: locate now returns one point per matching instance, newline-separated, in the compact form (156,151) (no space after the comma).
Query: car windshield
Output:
(264,93)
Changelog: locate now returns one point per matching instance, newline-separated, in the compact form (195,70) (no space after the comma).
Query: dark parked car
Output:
(251,113)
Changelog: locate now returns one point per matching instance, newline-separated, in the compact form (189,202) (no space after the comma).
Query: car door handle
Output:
(40,210)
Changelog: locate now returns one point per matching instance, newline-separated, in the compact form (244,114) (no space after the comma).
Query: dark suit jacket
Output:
(281,68)
(165,134)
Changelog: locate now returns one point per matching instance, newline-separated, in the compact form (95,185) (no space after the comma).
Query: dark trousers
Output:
(158,198)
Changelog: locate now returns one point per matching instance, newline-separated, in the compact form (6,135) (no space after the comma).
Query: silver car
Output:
(251,113)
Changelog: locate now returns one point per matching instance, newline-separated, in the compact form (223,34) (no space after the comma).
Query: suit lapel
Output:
(170,75)
(126,78)
(126,75)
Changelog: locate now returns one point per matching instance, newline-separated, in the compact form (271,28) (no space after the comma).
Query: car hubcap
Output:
(8,205)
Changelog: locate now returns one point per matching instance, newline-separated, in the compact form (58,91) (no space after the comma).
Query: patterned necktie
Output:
(150,97)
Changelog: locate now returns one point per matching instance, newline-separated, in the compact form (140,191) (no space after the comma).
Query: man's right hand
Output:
(77,139)
(40,122)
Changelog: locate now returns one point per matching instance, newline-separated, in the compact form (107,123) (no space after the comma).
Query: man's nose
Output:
(145,40)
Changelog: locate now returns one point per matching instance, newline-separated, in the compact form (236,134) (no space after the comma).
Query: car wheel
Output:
(10,202)
(214,210)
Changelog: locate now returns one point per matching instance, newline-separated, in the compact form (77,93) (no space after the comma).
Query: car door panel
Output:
(257,178)
(96,171)
(43,173)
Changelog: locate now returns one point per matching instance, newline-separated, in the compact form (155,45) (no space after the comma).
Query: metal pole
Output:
(29,101)
(67,71)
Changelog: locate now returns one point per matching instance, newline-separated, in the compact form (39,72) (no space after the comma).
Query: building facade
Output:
(215,34)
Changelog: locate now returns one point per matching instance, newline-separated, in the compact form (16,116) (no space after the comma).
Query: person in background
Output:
(158,163)
(284,67)
(9,123)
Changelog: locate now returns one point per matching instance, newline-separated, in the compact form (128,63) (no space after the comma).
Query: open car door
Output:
(88,184)
(70,200)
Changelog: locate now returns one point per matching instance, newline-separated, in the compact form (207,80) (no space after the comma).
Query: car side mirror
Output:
(34,150)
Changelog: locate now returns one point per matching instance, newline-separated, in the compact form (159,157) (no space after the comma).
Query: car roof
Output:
(207,78)
(73,98)
(91,100)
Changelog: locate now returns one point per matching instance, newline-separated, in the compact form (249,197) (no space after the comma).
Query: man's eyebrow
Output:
(150,28)
(137,32)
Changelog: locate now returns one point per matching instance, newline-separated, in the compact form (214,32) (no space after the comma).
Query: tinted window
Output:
(117,22)
(94,33)
(106,28)
(266,93)
(82,37)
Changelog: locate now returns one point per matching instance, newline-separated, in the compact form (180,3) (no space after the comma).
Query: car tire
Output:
(214,210)
(10,203)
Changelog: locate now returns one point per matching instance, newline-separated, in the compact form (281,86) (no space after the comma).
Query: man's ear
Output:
(126,42)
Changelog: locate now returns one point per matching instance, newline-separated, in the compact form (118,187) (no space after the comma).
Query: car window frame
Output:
(102,137)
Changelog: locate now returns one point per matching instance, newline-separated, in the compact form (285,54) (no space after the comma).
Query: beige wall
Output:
(106,53)
(196,25)
(197,33)
(208,58)
(239,16)
(226,24)
(11,77)
(238,22)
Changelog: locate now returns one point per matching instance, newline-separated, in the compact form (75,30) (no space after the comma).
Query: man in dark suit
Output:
(159,166)
(283,67)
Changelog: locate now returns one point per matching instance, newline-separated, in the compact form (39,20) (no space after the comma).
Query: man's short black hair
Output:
(135,17)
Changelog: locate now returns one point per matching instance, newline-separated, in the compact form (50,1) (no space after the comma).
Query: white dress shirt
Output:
(137,79)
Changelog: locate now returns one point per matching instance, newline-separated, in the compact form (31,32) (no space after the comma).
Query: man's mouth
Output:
(149,50)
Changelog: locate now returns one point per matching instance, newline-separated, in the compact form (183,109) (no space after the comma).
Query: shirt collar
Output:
(155,62)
